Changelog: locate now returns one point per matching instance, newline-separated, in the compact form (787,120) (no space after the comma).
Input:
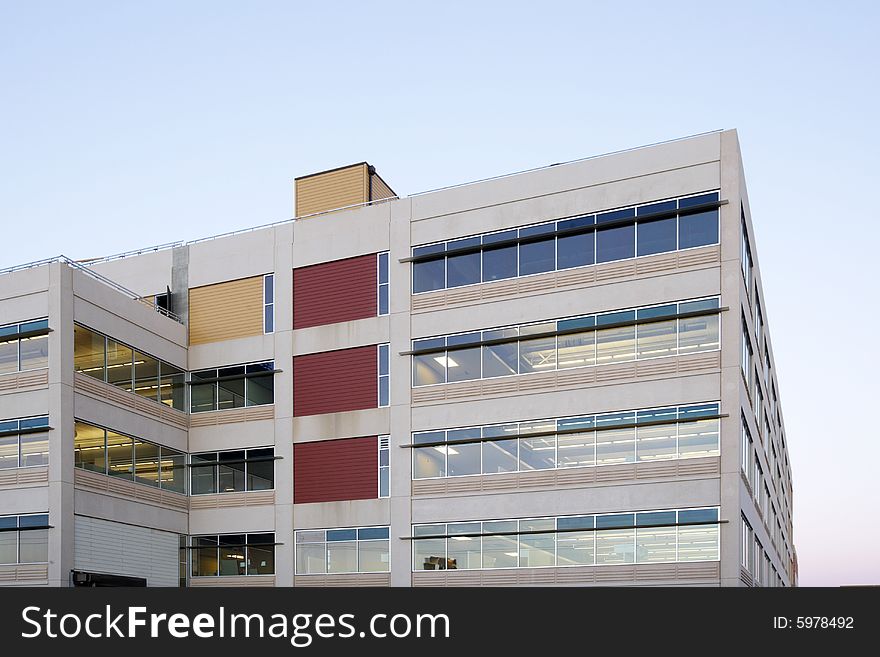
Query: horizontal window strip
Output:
(567,331)
(563,432)
(563,530)
(579,230)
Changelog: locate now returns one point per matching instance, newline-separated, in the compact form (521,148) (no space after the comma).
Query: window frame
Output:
(268,306)
(326,543)
(383,290)
(216,463)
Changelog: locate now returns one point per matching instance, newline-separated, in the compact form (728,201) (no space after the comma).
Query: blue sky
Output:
(129,124)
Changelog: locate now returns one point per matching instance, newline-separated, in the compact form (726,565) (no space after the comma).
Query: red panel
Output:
(337,291)
(332,470)
(334,381)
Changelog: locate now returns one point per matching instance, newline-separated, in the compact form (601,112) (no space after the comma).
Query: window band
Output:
(579,230)
(568,331)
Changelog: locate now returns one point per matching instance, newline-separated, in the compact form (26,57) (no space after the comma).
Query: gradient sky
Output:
(124,125)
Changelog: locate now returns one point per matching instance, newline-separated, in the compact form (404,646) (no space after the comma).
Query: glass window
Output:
(374,556)
(499,262)
(119,365)
(383,286)
(146,376)
(615,446)
(384,466)
(384,380)
(8,452)
(463,364)
(615,243)
(34,449)
(575,548)
(146,468)
(33,544)
(203,396)
(658,235)
(657,443)
(261,472)
(463,458)
(615,345)
(8,540)
(656,339)
(230,391)
(463,269)
(538,453)
(34,352)
(429,369)
(537,550)
(614,543)
(537,354)
(430,553)
(500,551)
(311,558)
(697,439)
(464,552)
(499,456)
(173,470)
(575,250)
(655,543)
(697,334)
(260,384)
(232,554)
(119,456)
(698,542)
(8,355)
(172,387)
(269,303)
(203,474)
(576,349)
(538,256)
(342,555)
(88,352)
(230,472)
(88,448)
(429,274)
(500,359)
(261,554)
(701,228)
(576,450)
(429,462)
(204,559)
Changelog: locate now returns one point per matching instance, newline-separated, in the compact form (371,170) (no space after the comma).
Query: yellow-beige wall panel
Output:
(18,381)
(379,189)
(23,477)
(24,574)
(225,311)
(333,189)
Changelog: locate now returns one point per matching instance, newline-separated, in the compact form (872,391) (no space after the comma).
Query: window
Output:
(24,539)
(659,227)
(236,386)
(269,303)
(626,437)
(384,466)
(663,536)
(24,346)
(746,352)
(229,555)
(745,253)
(612,337)
(24,443)
(746,449)
(382,282)
(384,369)
(234,471)
(357,550)
(746,544)
(109,453)
(113,362)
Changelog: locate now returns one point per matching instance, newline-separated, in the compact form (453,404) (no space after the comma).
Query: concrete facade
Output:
(67,293)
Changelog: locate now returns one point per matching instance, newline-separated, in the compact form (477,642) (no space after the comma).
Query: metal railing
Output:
(95,275)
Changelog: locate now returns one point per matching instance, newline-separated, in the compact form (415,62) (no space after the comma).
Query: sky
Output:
(124,125)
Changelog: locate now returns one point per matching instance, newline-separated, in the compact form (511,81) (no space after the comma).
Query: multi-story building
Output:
(562,376)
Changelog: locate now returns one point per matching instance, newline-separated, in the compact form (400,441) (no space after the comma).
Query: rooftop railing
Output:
(95,275)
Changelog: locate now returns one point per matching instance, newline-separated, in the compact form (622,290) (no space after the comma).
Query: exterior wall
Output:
(226,311)
(339,291)
(335,381)
(333,189)
(333,470)
(324,420)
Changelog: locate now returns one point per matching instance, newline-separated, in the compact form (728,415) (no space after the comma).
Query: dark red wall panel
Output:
(332,470)
(334,381)
(337,291)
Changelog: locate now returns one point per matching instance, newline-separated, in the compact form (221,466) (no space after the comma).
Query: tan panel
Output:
(331,190)
(226,311)
(379,189)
